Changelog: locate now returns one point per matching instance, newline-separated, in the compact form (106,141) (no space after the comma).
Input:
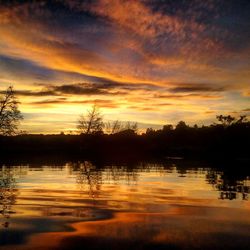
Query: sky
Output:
(151,61)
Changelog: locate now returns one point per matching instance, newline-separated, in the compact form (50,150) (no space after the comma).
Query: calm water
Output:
(145,206)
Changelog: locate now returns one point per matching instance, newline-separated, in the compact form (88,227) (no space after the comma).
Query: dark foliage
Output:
(9,113)
(226,140)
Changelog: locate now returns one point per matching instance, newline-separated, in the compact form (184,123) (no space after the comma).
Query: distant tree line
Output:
(92,123)
(229,136)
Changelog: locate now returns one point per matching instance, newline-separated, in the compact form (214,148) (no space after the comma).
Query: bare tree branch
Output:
(92,122)
(10,115)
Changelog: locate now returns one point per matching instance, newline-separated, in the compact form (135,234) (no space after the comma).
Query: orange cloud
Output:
(157,61)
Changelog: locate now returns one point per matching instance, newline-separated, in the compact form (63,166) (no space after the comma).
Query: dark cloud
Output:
(79,89)
(168,96)
(104,87)
(189,88)
(187,96)
(34,93)
(50,101)
(98,102)
(21,68)
(67,89)
(88,89)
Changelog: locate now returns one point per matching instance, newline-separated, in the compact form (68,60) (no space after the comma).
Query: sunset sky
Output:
(150,61)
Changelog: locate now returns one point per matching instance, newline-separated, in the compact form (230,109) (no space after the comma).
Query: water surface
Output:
(145,206)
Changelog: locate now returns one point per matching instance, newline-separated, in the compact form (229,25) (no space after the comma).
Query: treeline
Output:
(229,138)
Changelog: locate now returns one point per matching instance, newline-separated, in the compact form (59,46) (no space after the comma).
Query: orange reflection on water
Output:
(118,207)
(182,227)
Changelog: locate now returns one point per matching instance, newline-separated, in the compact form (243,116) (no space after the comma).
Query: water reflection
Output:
(229,187)
(157,201)
(87,176)
(8,194)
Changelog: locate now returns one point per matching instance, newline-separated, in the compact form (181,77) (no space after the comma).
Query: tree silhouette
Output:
(113,127)
(181,125)
(131,126)
(10,115)
(92,122)
(242,119)
(150,131)
(226,120)
(118,127)
(167,128)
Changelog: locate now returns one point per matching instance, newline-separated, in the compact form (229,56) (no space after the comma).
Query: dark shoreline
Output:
(131,161)
(227,145)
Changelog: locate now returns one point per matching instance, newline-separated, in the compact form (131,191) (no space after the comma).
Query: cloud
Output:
(195,87)
(127,41)
(101,87)
(167,34)
(86,89)
(187,96)
(210,112)
(50,101)
(246,110)
(63,101)
(135,16)
(79,89)
(33,93)
(144,54)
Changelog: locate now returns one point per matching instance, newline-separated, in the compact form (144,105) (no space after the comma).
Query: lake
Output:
(145,205)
